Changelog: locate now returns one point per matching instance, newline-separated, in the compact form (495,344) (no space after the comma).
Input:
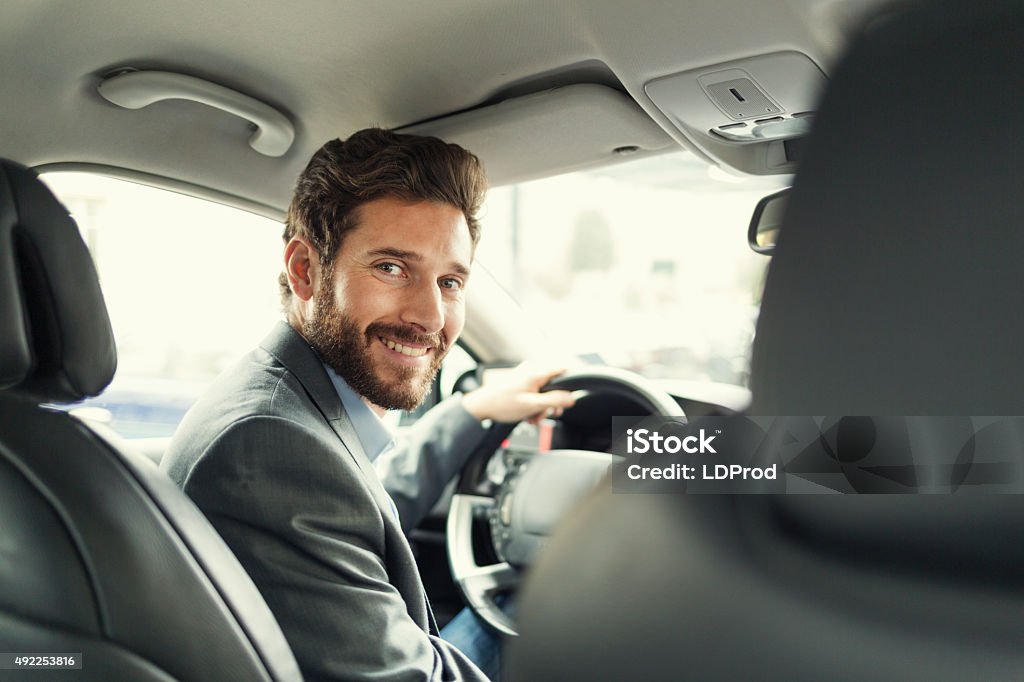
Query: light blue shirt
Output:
(374,436)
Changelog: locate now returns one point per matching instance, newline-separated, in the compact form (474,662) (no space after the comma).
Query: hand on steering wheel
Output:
(533,496)
(512,395)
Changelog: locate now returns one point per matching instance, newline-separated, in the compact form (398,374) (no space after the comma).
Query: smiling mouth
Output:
(410,351)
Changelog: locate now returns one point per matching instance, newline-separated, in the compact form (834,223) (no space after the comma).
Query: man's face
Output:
(394,303)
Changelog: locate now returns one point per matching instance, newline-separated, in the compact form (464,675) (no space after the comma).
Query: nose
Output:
(424,307)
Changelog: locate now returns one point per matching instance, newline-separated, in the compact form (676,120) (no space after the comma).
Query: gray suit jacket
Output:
(273,461)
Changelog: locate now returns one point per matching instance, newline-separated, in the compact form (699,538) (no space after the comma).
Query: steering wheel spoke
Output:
(493,579)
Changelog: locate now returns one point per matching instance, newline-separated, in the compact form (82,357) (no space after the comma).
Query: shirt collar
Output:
(374,436)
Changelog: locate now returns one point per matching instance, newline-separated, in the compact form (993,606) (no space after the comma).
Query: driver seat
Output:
(894,291)
(100,555)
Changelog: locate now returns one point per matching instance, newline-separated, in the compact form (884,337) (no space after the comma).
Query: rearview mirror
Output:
(767,221)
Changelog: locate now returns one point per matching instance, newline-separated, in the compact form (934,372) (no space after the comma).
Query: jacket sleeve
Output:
(301,518)
(426,456)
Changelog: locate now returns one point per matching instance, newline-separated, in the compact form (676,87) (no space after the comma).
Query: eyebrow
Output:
(392,252)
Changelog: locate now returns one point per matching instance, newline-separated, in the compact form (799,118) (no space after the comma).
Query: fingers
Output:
(550,404)
(550,413)
(550,399)
(534,375)
(560,399)
(544,376)
(514,398)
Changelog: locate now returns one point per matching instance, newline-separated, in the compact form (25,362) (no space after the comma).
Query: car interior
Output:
(887,291)
(887,295)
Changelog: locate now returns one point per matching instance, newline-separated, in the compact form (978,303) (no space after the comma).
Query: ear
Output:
(302,266)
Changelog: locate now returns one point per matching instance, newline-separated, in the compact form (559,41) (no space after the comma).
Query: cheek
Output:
(365,299)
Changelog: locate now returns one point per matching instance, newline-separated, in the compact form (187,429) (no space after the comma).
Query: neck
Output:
(377,410)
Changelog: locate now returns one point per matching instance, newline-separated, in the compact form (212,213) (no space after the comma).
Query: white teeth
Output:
(404,350)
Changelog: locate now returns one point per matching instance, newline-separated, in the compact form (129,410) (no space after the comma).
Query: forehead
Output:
(431,229)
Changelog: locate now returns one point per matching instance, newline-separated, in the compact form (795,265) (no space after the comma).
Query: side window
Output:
(190,286)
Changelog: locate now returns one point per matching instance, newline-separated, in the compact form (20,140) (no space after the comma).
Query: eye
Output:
(450,283)
(393,269)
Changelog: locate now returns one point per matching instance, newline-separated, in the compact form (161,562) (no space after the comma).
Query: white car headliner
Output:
(335,67)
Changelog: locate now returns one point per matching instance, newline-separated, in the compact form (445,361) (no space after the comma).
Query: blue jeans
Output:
(470,636)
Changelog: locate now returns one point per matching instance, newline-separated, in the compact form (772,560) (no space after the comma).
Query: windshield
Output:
(643,265)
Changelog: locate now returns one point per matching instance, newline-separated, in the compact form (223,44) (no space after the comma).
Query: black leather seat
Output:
(100,554)
(895,291)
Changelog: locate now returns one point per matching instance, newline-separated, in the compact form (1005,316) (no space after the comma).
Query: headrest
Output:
(895,288)
(56,343)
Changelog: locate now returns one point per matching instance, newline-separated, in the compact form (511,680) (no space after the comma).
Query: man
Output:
(380,237)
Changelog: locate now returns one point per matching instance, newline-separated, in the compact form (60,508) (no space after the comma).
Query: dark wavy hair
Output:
(372,164)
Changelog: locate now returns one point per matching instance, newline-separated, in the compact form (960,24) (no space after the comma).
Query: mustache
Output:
(409,335)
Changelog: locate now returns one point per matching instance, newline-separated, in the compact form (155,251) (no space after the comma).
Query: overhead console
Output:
(749,113)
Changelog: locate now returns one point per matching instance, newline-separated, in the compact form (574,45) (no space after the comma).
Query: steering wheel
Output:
(533,494)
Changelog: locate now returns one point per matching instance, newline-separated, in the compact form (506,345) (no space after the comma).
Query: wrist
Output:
(476,404)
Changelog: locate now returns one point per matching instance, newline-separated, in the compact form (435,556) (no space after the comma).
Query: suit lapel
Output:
(288,346)
(292,351)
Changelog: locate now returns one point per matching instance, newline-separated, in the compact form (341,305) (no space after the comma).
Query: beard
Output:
(336,337)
